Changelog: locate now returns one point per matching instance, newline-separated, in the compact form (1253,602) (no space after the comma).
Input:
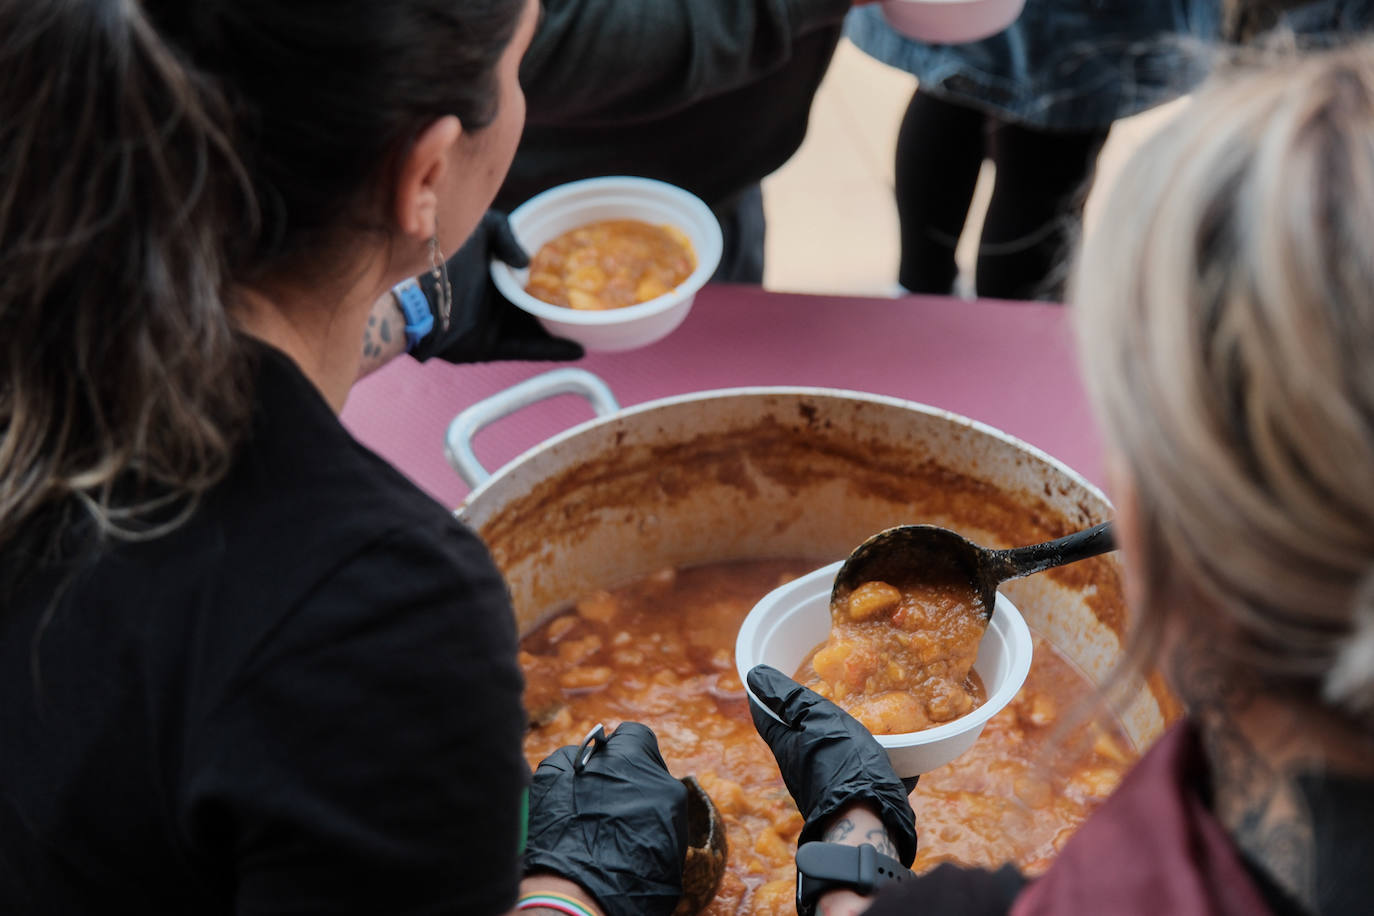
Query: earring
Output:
(439,270)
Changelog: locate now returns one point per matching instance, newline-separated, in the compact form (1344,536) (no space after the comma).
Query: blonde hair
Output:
(155,157)
(1225,317)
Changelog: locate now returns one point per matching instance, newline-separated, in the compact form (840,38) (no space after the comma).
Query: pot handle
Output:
(458,439)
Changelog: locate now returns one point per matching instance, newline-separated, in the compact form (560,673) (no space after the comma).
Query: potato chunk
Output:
(600,606)
(588,677)
(871,599)
(829,662)
(891,713)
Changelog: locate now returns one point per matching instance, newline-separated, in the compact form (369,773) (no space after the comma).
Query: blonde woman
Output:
(1225,311)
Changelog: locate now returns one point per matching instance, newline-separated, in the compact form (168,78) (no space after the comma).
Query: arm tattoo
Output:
(879,840)
(839,831)
(378,347)
(1260,805)
(877,837)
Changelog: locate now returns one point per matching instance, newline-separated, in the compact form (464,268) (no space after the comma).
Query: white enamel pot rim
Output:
(790,471)
(579,381)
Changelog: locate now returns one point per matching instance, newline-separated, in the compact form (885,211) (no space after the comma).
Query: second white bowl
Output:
(792,620)
(546,216)
(951,21)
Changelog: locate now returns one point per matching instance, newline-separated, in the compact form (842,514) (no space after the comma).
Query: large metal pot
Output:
(784,472)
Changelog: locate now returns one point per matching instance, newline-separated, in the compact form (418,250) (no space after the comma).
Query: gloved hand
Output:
(617,827)
(484,325)
(828,760)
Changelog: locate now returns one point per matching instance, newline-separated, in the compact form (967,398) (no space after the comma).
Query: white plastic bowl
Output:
(546,216)
(793,619)
(951,21)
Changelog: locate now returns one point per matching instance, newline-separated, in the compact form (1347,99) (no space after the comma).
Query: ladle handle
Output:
(1023,561)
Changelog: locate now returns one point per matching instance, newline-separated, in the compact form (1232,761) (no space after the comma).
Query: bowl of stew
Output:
(786,628)
(615,262)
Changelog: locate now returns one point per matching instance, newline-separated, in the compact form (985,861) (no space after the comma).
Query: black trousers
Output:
(742,229)
(1036,208)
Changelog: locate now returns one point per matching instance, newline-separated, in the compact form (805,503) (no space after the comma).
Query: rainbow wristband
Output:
(559,903)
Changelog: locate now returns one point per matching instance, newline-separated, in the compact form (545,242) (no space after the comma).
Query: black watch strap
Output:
(825,867)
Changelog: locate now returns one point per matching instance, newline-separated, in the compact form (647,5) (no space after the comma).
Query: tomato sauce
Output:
(611,264)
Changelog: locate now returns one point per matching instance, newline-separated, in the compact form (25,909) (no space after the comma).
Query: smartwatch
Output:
(825,867)
(415,307)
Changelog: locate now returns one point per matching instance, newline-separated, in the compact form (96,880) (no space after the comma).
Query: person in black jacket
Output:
(247,666)
(710,95)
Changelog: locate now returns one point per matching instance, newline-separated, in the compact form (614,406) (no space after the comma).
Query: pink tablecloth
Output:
(1010,365)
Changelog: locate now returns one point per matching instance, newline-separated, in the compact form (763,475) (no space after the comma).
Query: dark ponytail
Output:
(153,155)
(121,389)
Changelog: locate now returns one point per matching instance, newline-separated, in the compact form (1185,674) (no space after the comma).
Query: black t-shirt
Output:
(706,95)
(303,700)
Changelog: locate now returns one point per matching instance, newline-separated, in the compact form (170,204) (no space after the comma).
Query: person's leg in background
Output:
(940,149)
(742,230)
(1036,208)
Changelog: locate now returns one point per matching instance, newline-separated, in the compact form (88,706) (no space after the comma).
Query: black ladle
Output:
(910,554)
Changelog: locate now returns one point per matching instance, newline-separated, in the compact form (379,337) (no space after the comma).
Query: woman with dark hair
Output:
(247,666)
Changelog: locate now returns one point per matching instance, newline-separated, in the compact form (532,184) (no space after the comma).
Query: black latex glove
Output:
(618,827)
(483,324)
(828,760)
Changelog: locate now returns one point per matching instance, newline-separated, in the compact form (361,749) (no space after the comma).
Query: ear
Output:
(421,175)
(1121,488)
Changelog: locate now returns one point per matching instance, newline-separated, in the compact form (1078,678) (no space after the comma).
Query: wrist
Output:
(416,310)
(842,903)
(837,878)
(536,887)
(383,335)
(872,818)
(855,825)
